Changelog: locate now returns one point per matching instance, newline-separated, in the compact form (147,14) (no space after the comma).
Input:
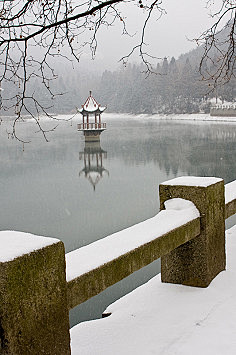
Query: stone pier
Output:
(34,317)
(198,261)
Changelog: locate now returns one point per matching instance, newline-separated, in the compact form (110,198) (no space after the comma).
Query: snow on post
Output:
(198,261)
(34,317)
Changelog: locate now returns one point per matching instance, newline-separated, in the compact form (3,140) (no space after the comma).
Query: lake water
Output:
(80,193)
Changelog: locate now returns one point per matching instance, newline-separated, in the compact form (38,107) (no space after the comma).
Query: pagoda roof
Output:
(94,174)
(91,105)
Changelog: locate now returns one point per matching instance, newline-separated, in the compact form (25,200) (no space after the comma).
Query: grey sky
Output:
(169,36)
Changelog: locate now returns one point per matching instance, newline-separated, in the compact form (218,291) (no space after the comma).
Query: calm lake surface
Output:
(80,193)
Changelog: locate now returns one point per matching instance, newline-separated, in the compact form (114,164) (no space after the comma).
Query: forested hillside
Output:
(176,88)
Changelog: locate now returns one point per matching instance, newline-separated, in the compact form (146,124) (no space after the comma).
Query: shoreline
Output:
(201,117)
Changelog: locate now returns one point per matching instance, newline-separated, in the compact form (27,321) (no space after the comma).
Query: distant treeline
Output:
(176,88)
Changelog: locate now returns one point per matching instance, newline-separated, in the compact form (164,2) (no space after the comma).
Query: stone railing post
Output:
(198,261)
(34,317)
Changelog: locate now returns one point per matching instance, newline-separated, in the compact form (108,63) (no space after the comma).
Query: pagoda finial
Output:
(90,93)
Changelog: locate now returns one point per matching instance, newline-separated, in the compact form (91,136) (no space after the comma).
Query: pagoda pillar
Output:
(83,121)
(95,120)
(89,161)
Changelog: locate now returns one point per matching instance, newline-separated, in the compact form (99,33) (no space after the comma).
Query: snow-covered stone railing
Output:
(37,287)
(230,199)
(93,268)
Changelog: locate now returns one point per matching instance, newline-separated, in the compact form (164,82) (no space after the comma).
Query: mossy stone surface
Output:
(198,261)
(34,317)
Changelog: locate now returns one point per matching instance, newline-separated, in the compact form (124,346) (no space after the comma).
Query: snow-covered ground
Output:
(168,319)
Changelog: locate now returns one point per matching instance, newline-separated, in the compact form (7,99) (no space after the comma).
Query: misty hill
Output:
(177,88)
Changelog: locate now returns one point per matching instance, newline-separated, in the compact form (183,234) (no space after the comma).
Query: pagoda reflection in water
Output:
(93,156)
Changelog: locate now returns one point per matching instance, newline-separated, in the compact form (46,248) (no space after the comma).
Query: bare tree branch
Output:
(217,65)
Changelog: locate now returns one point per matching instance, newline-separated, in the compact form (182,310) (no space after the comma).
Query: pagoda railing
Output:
(89,126)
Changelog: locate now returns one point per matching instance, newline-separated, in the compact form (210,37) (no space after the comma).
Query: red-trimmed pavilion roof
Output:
(91,105)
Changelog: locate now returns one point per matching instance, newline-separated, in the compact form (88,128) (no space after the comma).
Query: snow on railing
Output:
(153,237)
(89,257)
(93,268)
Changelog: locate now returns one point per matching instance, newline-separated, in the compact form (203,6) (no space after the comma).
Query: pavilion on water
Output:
(92,126)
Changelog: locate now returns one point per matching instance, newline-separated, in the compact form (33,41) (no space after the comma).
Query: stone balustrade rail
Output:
(37,288)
